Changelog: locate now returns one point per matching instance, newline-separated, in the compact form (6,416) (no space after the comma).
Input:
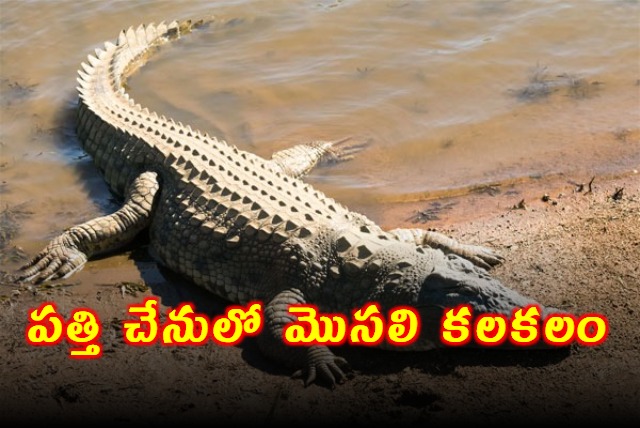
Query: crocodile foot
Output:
(54,262)
(479,255)
(323,365)
(342,150)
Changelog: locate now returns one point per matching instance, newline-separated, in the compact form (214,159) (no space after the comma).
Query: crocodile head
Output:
(434,283)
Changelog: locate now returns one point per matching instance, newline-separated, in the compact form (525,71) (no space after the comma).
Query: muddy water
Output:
(451,95)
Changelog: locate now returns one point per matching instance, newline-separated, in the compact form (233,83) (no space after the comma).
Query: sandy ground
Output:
(579,251)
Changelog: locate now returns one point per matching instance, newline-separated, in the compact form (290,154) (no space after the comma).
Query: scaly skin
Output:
(247,228)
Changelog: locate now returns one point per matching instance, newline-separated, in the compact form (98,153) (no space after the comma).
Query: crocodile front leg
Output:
(478,255)
(298,161)
(68,252)
(313,361)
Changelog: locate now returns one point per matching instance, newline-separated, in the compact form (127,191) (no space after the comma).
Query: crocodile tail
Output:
(109,119)
(135,47)
(112,65)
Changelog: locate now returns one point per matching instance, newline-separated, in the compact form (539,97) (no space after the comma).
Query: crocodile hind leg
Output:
(298,161)
(314,362)
(68,252)
(478,255)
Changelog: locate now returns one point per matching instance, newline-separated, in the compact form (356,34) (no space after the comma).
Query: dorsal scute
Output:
(93,60)
(122,38)
(172,26)
(151,32)
(130,35)
(86,67)
(141,35)
(84,77)
(161,28)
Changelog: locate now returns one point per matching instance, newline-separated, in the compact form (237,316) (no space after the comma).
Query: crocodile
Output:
(248,228)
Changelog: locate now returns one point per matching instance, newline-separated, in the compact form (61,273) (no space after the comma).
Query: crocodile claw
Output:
(54,262)
(323,365)
(482,256)
(343,150)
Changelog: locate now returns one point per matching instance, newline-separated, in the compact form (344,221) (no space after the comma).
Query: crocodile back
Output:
(207,174)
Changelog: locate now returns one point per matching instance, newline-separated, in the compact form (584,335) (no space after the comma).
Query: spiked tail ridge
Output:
(110,121)
(110,66)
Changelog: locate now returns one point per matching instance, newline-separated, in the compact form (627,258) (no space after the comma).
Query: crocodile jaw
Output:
(455,282)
